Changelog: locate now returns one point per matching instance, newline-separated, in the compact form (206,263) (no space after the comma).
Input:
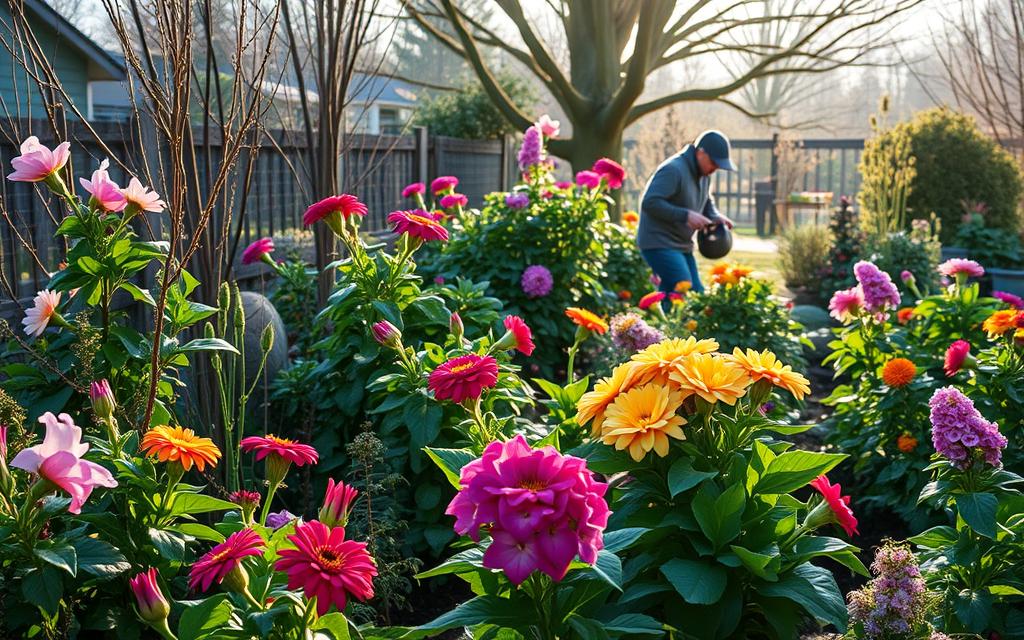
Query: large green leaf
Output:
(979,511)
(100,558)
(170,544)
(696,581)
(335,624)
(451,462)
(720,517)
(482,609)
(794,469)
(814,589)
(205,618)
(43,588)
(619,539)
(682,476)
(62,556)
(193,503)
(469,560)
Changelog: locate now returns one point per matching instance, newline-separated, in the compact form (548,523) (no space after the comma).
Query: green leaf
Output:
(935,538)
(814,589)
(193,503)
(451,462)
(697,582)
(979,511)
(488,609)
(758,563)
(207,344)
(794,469)
(138,293)
(205,618)
(469,560)
(100,558)
(334,623)
(809,547)
(427,496)
(588,627)
(721,517)
(43,588)
(62,556)
(682,476)
(170,544)
(619,539)
(634,623)
(198,531)
(609,568)
(974,609)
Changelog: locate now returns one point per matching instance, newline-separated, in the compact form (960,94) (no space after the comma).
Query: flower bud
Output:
(267,338)
(907,277)
(236,580)
(387,334)
(5,475)
(337,504)
(103,403)
(456,327)
(248,502)
(153,606)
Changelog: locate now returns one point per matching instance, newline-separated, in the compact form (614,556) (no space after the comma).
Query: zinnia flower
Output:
(728,274)
(837,503)
(766,366)
(443,183)
(906,443)
(642,419)
(37,162)
(958,429)
(541,508)
(333,208)
(153,606)
(106,195)
(453,200)
(956,354)
(1000,322)
(650,299)
(225,558)
(521,333)
(248,502)
(337,505)
(327,567)
(631,218)
(532,150)
(880,294)
(536,281)
(517,200)
(587,319)
(654,363)
(280,453)
(44,307)
(712,377)
(954,266)
(898,372)
(549,128)
(464,377)
(420,224)
(846,305)
(59,460)
(414,189)
(181,446)
(588,179)
(255,251)
(592,404)
(905,314)
(141,198)
(1013,300)
(611,171)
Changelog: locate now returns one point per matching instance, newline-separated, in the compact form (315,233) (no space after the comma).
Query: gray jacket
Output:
(675,189)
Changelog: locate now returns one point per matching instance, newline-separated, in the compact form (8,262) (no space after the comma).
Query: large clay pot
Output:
(1008,280)
(259,312)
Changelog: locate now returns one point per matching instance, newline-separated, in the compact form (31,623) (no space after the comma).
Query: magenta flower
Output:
(1014,301)
(419,224)
(536,281)
(37,162)
(106,195)
(224,561)
(959,430)
(611,171)
(386,334)
(542,509)
(549,128)
(588,179)
(562,184)
(414,189)
(880,294)
(906,277)
(517,200)
(521,334)
(140,198)
(333,208)
(59,460)
(954,266)
(443,184)
(3,443)
(257,250)
(846,304)
(532,150)
(337,504)
(463,377)
(153,606)
(453,200)
(956,354)
(102,398)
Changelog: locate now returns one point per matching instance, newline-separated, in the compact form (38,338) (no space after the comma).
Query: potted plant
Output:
(998,251)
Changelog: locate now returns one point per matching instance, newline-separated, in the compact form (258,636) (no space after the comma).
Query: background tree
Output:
(469,113)
(614,45)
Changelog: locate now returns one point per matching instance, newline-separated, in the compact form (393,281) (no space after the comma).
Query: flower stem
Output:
(266,505)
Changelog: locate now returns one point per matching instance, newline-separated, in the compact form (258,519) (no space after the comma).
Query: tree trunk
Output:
(588,145)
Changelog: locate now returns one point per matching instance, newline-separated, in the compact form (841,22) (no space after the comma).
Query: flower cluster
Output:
(958,429)
(542,509)
(605,171)
(517,200)
(880,294)
(536,281)
(631,334)
(725,273)
(531,152)
(895,601)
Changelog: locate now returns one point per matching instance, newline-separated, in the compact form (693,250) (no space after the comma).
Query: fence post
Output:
(422,155)
(506,147)
(773,214)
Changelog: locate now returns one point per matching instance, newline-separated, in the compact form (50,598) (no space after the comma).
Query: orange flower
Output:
(654,363)
(587,319)
(766,366)
(1000,322)
(713,377)
(175,444)
(630,218)
(906,443)
(593,403)
(625,294)
(898,372)
(725,273)
(905,314)
(691,325)
(683,286)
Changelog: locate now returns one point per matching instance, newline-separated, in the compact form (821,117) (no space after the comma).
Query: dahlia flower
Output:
(898,372)
(592,404)
(588,179)
(838,505)
(880,294)
(956,354)
(180,446)
(542,509)
(37,162)
(611,171)
(517,200)
(712,377)
(420,224)
(443,184)
(59,460)
(255,251)
(225,561)
(643,418)
(327,567)
(463,377)
(846,305)
(106,195)
(44,307)
(532,150)
(955,266)
(536,281)
(958,429)
(141,198)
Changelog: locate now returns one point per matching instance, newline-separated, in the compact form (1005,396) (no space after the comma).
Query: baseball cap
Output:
(716,145)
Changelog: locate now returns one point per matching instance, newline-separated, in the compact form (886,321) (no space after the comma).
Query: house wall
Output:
(18,89)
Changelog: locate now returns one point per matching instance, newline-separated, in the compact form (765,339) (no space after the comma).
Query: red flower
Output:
(522,333)
(224,558)
(463,377)
(955,356)
(651,299)
(327,567)
(839,504)
(345,204)
(255,251)
(419,224)
(337,504)
(611,171)
(443,183)
(290,450)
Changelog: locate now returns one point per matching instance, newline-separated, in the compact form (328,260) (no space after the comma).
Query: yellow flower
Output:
(630,218)
(712,377)
(691,325)
(642,419)
(593,403)
(765,366)
(654,363)
(725,273)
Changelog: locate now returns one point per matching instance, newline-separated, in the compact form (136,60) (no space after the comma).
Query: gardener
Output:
(677,202)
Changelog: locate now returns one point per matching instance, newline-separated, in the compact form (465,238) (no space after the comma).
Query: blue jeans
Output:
(673,266)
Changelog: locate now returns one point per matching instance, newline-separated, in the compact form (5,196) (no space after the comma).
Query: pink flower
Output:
(954,266)
(337,504)
(346,205)
(37,162)
(59,460)
(255,251)
(1014,301)
(838,503)
(44,307)
(224,558)
(542,509)
(522,334)
(464,377)
(611,171)
(845,305)
(102,398)
(3,443)
(153,606)
(955,356)
(142,198)
(453,200)
(651,299)
(443,183)
(906,277)
(327,567)
(386,334)
(106,195)
(548,127)
(414,189)
(562,184)
(588,179)
(273,446)
(419,224)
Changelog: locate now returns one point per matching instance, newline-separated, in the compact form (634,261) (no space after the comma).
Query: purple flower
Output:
(958,430)
(631,334)
(532,150)
(895,601)
(517,200)
(1013,300)
(880,294)
(279,519)
(536,281)
(439,280)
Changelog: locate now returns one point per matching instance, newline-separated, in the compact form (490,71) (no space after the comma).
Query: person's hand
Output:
(724,219)
(697,220)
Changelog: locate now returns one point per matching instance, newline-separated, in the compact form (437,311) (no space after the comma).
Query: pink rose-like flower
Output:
(153,606)
(419,224)
(224,558)
(611,171)
(588,179)
(453,200)
(846,304)
(414,189)
(337,504)
(140,198)
(522,334)
(950,268)
(255,251)
(59,460)
(548,127)
(1014,301)
(443,184)
(464,377)
(838,503)
(37,162)
(955,356)
(44,307)
(106,195)
(542,509)
(327,567)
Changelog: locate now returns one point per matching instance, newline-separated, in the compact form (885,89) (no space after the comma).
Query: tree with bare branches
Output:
(614,45)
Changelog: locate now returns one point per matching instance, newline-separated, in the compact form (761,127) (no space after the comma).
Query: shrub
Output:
(470,114)
(990,246)
(803,253)
(845,251)
(954,161)
(916,252)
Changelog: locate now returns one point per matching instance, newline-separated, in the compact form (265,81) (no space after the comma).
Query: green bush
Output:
(955,161)
(468,113)
(803,253)
(916,252)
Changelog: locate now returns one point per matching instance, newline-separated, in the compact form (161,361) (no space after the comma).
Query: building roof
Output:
(383,89)
(102,65)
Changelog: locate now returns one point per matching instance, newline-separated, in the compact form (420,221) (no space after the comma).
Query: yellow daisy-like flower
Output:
(713,377)
(643,419)
(654,363)
(766,366)
(593,403)
(1000,322)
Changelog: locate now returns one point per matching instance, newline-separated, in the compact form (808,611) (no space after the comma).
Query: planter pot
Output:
(1008,280)
(948,253)
(259,312)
